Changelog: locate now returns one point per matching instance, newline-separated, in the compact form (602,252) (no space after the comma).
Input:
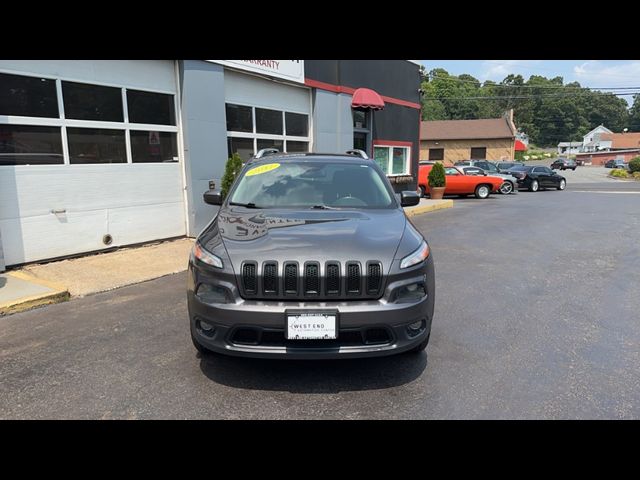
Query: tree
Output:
(231,172)
(548,110)
(634,114)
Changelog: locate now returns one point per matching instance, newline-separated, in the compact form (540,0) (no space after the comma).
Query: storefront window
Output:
(381,156)
(359,119)
(360,141)
(92,102)
(152,146)
(393,160)
(398,166)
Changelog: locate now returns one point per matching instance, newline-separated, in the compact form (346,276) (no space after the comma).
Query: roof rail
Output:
(359,153)
(266,151)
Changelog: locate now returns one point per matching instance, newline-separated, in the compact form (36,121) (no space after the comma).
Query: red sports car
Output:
(460,184)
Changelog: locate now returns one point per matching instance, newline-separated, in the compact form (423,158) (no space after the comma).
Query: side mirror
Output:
(409,198)
(213,197)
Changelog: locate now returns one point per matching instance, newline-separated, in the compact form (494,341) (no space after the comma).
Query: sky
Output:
(590,73)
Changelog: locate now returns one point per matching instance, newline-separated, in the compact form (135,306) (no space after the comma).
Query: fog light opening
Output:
(415,328)
(205,328)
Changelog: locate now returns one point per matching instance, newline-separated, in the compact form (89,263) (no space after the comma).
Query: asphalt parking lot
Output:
(536,317)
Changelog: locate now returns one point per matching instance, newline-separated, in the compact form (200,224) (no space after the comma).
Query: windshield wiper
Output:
(247,205)
(323,207)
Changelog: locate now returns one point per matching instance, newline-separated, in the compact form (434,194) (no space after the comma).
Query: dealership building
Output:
(100,154)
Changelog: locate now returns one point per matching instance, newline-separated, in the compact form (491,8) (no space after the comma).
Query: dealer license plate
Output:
(311,326)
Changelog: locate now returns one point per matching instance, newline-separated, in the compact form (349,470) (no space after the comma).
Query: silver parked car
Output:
(509,185)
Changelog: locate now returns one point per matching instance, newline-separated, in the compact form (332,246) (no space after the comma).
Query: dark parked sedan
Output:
(311,256)
(564,164)
(538,178)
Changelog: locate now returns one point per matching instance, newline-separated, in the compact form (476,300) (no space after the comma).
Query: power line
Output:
(520,97)
(502,85)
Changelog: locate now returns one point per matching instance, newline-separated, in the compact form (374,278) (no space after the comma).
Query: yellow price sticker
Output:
(262,169)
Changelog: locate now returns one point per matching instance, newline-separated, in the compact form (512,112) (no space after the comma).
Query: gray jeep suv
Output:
(310,256)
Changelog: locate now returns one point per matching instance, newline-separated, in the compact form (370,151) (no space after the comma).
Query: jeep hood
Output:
(305,235)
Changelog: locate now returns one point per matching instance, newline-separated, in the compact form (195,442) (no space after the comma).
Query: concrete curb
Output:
(57,295)
(420,209)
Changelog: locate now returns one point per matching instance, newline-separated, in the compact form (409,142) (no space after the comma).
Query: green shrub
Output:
(634,164)
(619,173)
(437,177)
(231,171)
(636,175)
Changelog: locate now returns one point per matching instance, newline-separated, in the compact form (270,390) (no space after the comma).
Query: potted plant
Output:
(437,181)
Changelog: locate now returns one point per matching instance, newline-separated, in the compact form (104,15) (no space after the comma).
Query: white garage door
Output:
(89,156)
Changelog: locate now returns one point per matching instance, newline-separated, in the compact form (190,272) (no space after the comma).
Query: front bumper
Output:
(366,328)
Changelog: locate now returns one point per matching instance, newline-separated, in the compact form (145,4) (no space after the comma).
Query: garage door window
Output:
(28,96)
(250,129)
(30,145)
(93,145)
(92,102)
(152,146)
(61,121)
(149,107)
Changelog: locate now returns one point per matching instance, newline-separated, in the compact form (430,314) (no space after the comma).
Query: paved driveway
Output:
(536,317)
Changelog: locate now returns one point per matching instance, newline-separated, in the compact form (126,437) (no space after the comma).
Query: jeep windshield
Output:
(315,184)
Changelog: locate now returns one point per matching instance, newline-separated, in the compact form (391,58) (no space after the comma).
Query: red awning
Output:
(520,147)
(367,98)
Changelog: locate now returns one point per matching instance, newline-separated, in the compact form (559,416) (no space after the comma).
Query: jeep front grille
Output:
(311,280)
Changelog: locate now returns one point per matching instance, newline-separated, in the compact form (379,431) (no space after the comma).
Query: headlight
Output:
(206,257)
(416,257)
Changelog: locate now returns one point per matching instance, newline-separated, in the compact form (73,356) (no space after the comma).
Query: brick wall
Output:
(604,157)
(454,150)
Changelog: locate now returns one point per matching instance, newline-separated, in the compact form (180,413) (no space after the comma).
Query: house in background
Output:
(612,146)
(569,148)
(592,141)
(452,140)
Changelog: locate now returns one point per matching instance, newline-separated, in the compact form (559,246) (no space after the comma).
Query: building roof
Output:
(608,152)
(622,140)
(602,128)
(465,129)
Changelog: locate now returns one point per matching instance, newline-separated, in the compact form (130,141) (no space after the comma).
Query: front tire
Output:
(562,185)
(482,191)
(506,188)
(535,186)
